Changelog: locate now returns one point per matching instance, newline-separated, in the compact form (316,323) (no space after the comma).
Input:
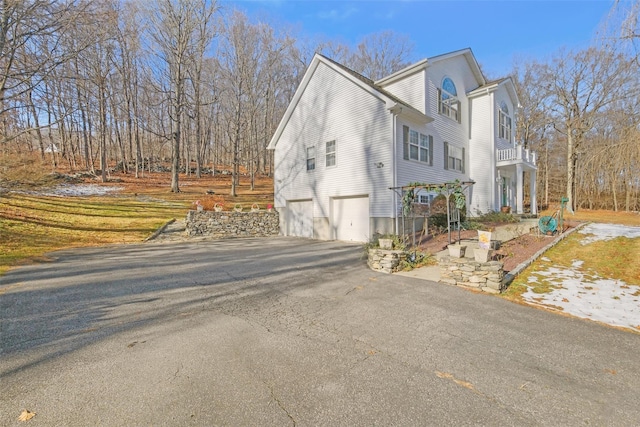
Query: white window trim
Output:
(417,146)
(311,156)
(456,155)
(504,125)
(449,106)
(330,154)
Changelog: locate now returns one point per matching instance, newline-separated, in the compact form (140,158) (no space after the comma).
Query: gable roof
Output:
(492,86)
(395,104)
(421,65)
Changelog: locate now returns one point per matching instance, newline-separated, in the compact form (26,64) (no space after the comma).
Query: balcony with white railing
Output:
(518,154)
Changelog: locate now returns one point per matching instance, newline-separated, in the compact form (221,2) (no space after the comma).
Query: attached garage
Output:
(350,218)
(300,218)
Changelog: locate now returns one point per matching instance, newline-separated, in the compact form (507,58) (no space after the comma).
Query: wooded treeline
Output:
(140,85)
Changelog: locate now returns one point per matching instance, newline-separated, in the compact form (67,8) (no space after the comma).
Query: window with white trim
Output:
(311,158)
(417,146)
(330,153)
(504,122)
(448,102)
(453,157)
(425,199)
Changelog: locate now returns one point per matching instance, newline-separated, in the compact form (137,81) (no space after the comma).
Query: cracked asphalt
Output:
(283,331)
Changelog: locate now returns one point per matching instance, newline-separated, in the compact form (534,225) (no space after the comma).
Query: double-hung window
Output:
(330,153)
(425,199)
(504,122)
(311,158)
(453,157)
(417,146)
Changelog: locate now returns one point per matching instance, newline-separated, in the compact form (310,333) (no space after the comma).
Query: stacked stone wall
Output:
(384,260)
(484,276)
(232,224)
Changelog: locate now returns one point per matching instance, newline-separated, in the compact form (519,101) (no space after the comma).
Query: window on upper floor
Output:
(311,158)
(448,102)
(453,157)
(504,122)
(330,153)
(417,146)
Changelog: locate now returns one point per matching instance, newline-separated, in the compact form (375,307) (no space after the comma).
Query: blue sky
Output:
(496,31)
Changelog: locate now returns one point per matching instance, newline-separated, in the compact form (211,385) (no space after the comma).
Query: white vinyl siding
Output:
(411,90)
(482,157)
(334,108)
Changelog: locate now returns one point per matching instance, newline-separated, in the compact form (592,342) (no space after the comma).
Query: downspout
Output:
(394,178)
(495,186)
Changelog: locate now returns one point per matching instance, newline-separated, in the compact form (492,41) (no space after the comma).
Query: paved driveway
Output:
(257,332)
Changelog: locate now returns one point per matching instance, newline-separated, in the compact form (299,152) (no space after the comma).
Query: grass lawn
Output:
(32,224)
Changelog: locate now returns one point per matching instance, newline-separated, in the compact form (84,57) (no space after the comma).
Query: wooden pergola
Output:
(448,189)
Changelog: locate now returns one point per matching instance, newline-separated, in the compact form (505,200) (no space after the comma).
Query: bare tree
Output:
(31,32)
(580,87)
(381,54)
(175,30)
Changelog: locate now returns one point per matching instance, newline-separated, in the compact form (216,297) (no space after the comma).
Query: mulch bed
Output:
(511,253)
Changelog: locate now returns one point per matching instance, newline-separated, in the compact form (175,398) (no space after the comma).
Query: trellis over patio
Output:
(452,188)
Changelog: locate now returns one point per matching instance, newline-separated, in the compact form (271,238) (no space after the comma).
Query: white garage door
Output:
(300,218)
(350,218)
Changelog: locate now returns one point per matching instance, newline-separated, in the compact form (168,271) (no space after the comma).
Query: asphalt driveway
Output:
(274,332)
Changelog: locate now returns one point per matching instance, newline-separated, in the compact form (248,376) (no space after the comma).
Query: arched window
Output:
(448,103)
(504,122)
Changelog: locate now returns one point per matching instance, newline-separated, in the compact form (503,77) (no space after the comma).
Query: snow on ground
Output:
(77,190)
(608,232)
(580,294)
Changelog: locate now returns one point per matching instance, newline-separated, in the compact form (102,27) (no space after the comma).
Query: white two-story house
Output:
(345,142)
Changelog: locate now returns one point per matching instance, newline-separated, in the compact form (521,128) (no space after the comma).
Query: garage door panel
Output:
(350,218)
(300,218)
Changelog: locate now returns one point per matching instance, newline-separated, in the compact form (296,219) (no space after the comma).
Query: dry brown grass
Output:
(601,216)
(32,225)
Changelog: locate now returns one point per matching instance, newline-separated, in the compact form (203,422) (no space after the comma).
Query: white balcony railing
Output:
(519,153)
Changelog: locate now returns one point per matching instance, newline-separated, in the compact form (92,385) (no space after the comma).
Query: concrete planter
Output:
(482,255)
(457,250)
(386,244)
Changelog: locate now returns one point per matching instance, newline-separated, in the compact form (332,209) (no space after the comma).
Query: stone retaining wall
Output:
(385,260)
(233,224)
(484,276)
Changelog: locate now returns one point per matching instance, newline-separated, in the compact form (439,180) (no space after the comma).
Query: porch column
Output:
(532,190)
(519,190)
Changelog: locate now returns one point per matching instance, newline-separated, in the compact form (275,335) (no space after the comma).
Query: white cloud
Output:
(338,14)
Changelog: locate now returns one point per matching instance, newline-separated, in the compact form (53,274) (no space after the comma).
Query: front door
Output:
(505,191)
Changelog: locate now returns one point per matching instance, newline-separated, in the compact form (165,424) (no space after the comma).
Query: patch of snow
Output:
(603,300)
(75,190)
(599,232)
(585,294)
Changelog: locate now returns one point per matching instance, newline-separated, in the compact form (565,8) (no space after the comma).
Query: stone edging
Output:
(509,277)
